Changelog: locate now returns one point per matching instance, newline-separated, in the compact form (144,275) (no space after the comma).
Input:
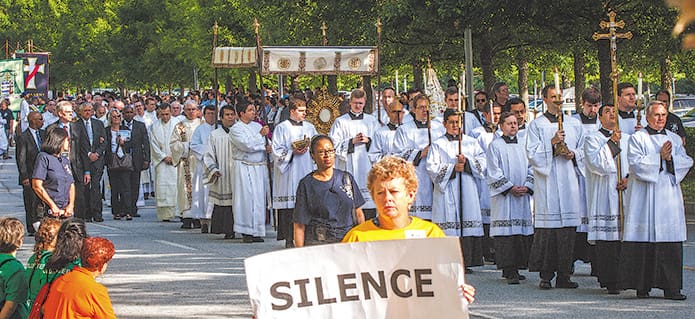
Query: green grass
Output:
(688,185)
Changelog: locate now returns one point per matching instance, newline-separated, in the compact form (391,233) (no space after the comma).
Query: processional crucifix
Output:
(613,36)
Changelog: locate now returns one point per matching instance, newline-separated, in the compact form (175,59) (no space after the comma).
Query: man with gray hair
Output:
(185,161)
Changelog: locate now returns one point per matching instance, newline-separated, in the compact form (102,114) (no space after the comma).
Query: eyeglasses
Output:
(480,100)
(325,153)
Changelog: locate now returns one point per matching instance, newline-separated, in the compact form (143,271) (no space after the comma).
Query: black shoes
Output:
(567,284)
(196,224)
(642,294)
(187,223)
(204,228)
(252,239)
(229,236)
(545,285)
(98,219)
(674,295)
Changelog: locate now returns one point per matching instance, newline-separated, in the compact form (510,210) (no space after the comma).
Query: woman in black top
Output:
(52,180)
(328,199)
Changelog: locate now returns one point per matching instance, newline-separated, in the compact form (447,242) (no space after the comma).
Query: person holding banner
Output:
(393,184)
(328,201)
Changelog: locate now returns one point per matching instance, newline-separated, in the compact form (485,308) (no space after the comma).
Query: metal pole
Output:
(468,51)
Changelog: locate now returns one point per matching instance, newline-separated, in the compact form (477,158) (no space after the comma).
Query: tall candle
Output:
(557,83)
(397,82)
(639,86)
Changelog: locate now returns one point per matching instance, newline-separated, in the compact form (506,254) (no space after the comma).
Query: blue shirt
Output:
(56,176)
(327,203)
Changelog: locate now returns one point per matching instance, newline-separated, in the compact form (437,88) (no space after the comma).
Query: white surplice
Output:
(382,143)
(446,197)
(601,182)
(218,158)
(655,211)
(250,178)
(627,124)
(588,128)
(556,197)
(410,139)
(165,183)
(508,166)
(354,158)
(201,207)
(290,168)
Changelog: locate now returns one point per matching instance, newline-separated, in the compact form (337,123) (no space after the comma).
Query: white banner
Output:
(412,278)
(234,57)
(319,60)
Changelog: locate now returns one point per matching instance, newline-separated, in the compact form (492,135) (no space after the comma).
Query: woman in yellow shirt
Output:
(393,184)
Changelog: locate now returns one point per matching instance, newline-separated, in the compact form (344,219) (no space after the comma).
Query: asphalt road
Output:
(162,271)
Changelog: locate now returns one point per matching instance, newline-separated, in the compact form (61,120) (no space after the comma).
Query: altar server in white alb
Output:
(250,173)
(652,252)
(601,150)
(591,100)
(627,109)
(164,169)
(557,211)
(352,133)
(292,163)
(201,206)
(384,138)
(510,182)
(185,162)
(412,142)
(446,167)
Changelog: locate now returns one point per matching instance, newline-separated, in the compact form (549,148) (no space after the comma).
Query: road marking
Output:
(175,245)
(480,315)
(689,268)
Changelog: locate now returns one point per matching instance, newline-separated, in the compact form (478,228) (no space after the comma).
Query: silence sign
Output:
(413,278)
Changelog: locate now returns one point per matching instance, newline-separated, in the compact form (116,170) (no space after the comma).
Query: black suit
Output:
(121,191)
(97,146)
(77,134)
(140,148)
(26,153)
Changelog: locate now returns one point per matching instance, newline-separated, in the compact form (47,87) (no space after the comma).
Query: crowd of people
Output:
(538,195)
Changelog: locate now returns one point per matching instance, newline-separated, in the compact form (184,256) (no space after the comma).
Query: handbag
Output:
(124,163)
(37,309)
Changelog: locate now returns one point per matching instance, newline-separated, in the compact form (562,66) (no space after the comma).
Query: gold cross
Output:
(613,36)
(256,25)
(323,32)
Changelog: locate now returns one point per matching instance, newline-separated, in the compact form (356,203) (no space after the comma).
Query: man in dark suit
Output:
(76,135)
(28,147)
(140,144)
(93,147)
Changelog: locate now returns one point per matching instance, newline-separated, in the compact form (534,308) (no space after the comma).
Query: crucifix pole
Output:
(613,36)
(378,70)
(324,42)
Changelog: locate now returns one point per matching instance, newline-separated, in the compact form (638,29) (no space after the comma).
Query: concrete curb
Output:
(689,209)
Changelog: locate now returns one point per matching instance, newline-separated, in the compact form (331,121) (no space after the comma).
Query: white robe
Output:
(601,181)
(250,178)
(409,143)
(201,207)
(165,183)
(185,162)
(382,144)
(357,162)
(470,122)
(627,125)
(290,168)
(508,166)
(556,197)
(218,158)
(588,128)
(484,139)
(655,211)
(446,196)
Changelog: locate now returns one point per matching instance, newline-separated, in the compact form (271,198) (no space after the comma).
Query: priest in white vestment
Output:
(162,161)
(185,162)
(412,143)
(655,229)
(455,204)
(352,134)
(384,144)
(291,140)
(557,211)
(218,174)
(601,150)
(627,109)
(201,206)
(510,185)
(250,173)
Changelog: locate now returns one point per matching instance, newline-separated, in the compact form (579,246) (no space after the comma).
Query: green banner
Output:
(12,81)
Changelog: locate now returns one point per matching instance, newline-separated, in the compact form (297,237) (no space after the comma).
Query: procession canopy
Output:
(319,60)
(234,57)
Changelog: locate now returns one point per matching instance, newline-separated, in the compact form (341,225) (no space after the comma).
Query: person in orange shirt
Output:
(77,294)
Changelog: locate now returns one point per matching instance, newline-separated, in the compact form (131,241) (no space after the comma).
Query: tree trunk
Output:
(295,83)
(579,78)
(253,83)
(522,80)
(228,86)
(332,84)
(418,80)
(488,72)
(604,63)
